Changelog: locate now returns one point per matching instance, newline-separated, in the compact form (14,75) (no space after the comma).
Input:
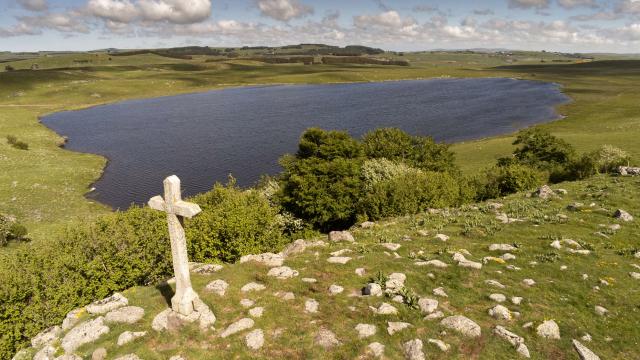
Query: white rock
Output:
(360,271)
(549,330)
(395,326)
(444,347)
(365,330)
(46,337)
(107,304)
(395,281)
(499,298)
(601,310)
(336,236)
(161,321)
(205,269)
(586,337)
(218,287)
(584,352)
(367,225)
(556,245)
(338,260)
(335,289)
(434,316)
(463,325)
(256,312)
(129,357)
(285,295)
(46,353)
(494,283)
(282,272)
(508,257)
(427,306)
(528,282)
(127,315)
(513,339)
(384,309)
(436,263)
(442,237)
(413,350)
(375,349)
(72,318)
(341,252)
(502,247)
(87,332)
(326,339)
(309,280)
(516,300)
(439,292)
(252,286)
(311,306)
(254,339)
(635,275)
(69,357)
(267,259)
(372,289)
(500,312)
(391,246)
(128,336)
(623,215)
(240,325)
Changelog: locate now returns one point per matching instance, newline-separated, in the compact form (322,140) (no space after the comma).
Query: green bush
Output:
(504,180)
(234,223)
(417,151)
(409,193)
(13,141)
(608,158)
(541,150)
(10,230)
(377,170)
(321,183)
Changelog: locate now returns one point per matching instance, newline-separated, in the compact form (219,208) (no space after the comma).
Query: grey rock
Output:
(442,237)
(494,283)
(463,325)
(337,236)
(395,281)
(444,347)
(584,352)
(502,247)
(68,357)
(254,339)
(544,192)
(375,349)
(623,215)
(252,286)
(161,322)
(256,312)
(127,315)
(335,289)
(87,332)
(218,287)
(326,339)
(549,330)
(367,225)
(413,350)
(129,357)
(500,312)
(395,326)
(99,354)
(338,260)
(46,353)
(384,309)
(236,327)
(372,289)
(267,259)
(24,354)
(107,304)
(282,272)
(628,170)
(365,330)
(311,306)
(516,341)
(205,269)
(128,336)
(499,298)
(440,292)
(427,306)
(46,337)
(601,310)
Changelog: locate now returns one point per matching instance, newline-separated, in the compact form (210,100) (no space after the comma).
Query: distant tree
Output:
(9,68)
(540,149)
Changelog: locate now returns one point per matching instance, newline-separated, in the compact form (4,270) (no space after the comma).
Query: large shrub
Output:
(417,151)
(538,148)
(321,183)
(234,223)
(11,230)
(508,179)
(410,192)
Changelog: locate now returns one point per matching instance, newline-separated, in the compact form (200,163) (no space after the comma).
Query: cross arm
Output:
(180,208)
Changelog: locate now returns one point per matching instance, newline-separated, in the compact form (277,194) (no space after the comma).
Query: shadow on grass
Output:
(166,291)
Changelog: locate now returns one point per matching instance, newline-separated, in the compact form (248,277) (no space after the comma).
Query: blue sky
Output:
(555,25)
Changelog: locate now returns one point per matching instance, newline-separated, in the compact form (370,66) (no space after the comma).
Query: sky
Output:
(400,25)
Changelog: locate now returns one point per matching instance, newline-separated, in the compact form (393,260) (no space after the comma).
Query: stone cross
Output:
(176,209)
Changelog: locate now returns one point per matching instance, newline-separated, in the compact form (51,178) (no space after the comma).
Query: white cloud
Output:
(19,29)
(114,10)
(70,22)
(570,4)
(528,4)
(173,11)
(34,5)
(283,10)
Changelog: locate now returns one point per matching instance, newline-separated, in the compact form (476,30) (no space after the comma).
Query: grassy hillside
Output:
(44,186)
(568,286)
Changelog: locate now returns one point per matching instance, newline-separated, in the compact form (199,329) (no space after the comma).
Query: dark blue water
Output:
(243,131)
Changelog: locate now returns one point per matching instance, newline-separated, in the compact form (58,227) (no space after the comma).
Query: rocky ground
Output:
(549,275)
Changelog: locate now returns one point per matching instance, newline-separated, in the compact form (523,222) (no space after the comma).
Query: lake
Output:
(204,137)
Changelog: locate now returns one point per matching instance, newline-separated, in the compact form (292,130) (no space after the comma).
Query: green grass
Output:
(44,187)
(561,295)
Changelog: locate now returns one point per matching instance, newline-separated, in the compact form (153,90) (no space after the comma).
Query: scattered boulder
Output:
(384,309)
(252,286)
(395,326)
(623,215)
(395,281)
(502,247)
(326,339)
(87,332)
(549,330)
(584,352)
(247,303)
(282,272)
(413,350)
(218,287)
(46,353)
(372,289)
(99,354)
(375,349)
(367,225)
(360,271)
(513,339)
(254,339)
(628,170)
(335,289)
(544,192)
(434,316)
(427,306)
(129,357)
(440,292)
(256,312)
(601,310)
(205,269)
(72,318)
(516,300)
(236,327)
(127,315)
(494,283)
(435,263)
(391,246)
(107,304)
(499,298)
(46,337)
(311,306)
(444,347)
(267,259)
(337,236)
(463,262)
(463,325)
(442,237)
(500,312)
(365,330)
(128,336)
(161,321)
(338,260)
(300,245)
(528,282)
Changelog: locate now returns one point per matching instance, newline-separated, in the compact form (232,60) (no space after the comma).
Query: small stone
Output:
(556,245)
(549,330)
(240,325)
(413,350)
(218,287)
(584,352)
(99,354)
(442,237)
(384,309)
(107,304)
(267,259)
(502,247)
(623,215)
(463,325)
(127,315)
(337,236)
(72,318)
(516,300)
(252,286)
(507,257)
(161,321)
(500,312)
(335,289)
(395,281)
(427,306)
(326,339)
(341,252)
(338,260)
(206,269)
(395,326)
(128,336)
(46,353)
(372,289)
(528,282)
(440,292)
(365,330)
(586,338)
(601,310)
(499,298)
(444,347)
(254,339)
(282,272)
(309,280)
(434,316)
(635,275)
(311,306)
(46,337)
(564,267)
(87,332)
(247,303)
(360,271)
(256,312)
(375,349)
(285,295)
(391,246)
(367,225)
(423,233)
(494,283)
(436,263)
